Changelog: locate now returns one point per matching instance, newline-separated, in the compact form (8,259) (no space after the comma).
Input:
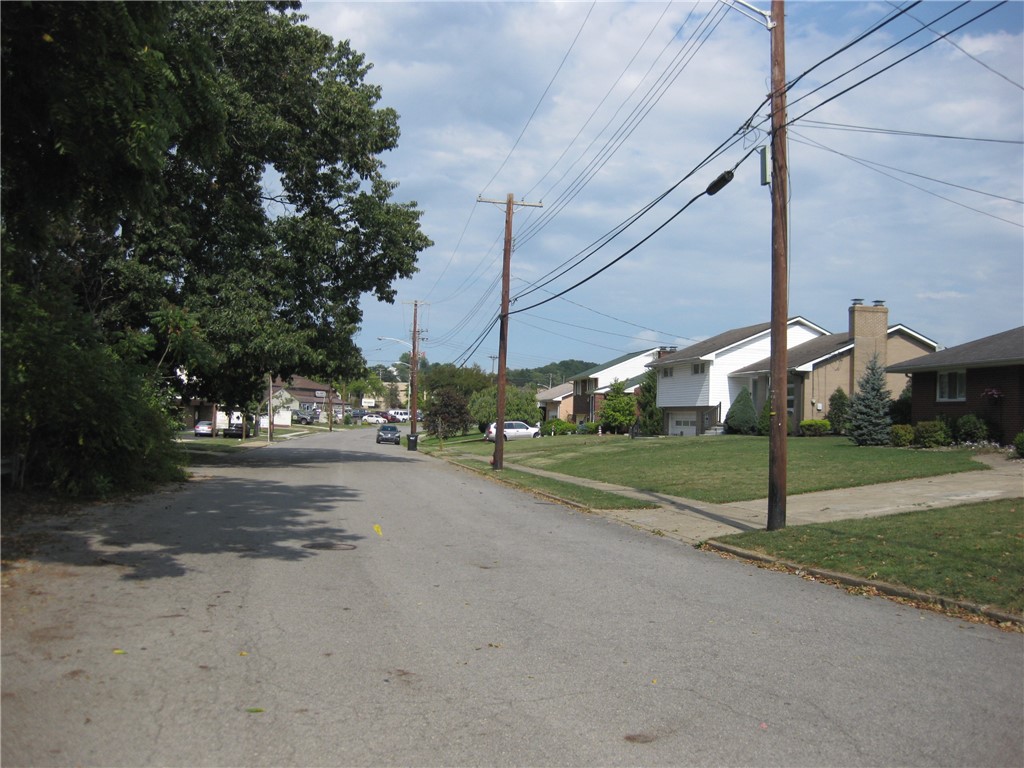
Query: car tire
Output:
(536,434)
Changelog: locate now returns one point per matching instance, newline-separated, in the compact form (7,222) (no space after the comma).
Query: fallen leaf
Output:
(378,530)
(119,652)
(243,653)
(254,710)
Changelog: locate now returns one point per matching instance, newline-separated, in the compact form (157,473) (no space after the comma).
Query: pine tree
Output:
(870,423)
(651,420)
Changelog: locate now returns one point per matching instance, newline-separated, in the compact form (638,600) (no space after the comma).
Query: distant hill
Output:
(547,376)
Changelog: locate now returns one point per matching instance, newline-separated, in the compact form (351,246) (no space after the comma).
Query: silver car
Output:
(513,431)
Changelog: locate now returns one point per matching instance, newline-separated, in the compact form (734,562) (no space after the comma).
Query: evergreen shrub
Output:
(932,434)
(971,429)
(740,420)
(902,435)
(838,410)
(815,427)
(1018,445)
(870,423)
(764,421)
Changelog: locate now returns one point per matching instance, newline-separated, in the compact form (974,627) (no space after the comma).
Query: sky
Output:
(906,169)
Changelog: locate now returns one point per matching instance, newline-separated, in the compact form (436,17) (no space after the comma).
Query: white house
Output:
(590,385)
(694,385)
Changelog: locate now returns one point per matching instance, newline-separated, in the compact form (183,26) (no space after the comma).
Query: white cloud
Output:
(465,77)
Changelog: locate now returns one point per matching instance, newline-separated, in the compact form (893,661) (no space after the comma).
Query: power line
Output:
(896,132)
(541,99)
(893,64)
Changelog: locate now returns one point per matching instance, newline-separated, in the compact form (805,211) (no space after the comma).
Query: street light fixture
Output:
(412,379)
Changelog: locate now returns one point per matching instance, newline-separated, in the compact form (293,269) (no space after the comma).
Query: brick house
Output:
(983,377)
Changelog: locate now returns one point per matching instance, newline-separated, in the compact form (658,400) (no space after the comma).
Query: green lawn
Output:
(721,469)
(973,552)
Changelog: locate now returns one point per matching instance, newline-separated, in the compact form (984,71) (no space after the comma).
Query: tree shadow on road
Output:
(162,534)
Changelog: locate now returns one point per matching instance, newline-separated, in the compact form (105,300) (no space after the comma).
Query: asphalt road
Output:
(338,603)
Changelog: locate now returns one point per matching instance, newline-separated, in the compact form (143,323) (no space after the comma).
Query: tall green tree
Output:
(651,419)
(450,376)
(198,188)
(870,423)
(520,405)
(447,414)
(618,412)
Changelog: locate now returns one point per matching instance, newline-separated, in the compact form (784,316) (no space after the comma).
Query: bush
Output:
(815,427)
(741,420)
(838,410)
(587,428)
(764,421)
(971,429)
(902,435)
(932,434)
(1018,445)
(899,409)
(558,427)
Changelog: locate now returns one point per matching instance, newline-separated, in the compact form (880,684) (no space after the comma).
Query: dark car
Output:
(235,430)
(305,417)
(388,433)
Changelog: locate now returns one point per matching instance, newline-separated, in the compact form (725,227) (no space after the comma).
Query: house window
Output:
(666,373)
(699,368)
(952,385)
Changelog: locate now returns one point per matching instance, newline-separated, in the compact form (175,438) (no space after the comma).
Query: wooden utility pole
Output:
(779,376)
(414,368)
(498,460)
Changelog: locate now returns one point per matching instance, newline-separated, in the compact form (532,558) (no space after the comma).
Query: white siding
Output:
(626,370)
(684,390)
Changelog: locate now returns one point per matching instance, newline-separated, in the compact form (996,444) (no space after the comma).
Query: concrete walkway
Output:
(695,521)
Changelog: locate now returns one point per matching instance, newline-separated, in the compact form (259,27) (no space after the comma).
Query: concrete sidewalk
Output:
(694,521)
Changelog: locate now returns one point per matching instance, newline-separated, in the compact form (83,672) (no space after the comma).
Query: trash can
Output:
(413,440)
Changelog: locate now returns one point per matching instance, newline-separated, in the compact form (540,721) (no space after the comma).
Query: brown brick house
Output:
(984,377)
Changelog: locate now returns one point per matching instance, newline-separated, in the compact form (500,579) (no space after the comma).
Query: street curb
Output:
(891,590)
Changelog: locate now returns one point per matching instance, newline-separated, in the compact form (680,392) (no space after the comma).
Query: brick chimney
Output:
(869,327)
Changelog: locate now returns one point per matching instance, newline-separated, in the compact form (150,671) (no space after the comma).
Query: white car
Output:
(513,431)
(373,418)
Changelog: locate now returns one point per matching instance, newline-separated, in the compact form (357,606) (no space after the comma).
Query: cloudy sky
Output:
(906,187)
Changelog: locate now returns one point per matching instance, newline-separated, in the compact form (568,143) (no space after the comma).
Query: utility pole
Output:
(414,368)
(779,375)
(498,460)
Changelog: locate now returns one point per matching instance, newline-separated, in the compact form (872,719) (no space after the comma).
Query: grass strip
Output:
(590,498)
(972,552)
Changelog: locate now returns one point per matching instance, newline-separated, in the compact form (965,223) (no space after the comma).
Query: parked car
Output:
(373,418)
(235,430)
(386,416)
(513,431)
(305,417)
(357,413)
(204,429)
(388,433)
(400,413)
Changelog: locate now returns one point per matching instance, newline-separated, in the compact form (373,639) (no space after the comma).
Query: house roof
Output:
(1006,348)
(300,387)
(591,372)
(555,393)
(816,351)
(722,342)
(630,385)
